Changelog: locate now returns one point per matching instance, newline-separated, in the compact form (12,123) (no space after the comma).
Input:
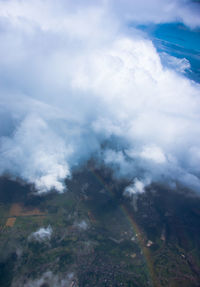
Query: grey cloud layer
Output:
(73,76)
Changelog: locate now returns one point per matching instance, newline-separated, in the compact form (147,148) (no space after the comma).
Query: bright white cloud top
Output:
(74,75)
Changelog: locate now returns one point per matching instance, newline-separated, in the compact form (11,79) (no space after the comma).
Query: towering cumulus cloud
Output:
(74,75)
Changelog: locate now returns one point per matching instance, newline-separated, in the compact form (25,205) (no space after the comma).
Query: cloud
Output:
(158,11)
(42,234)
(74,75)
(45,164)
(180,65)
(50,279)
(150,152)
(136,188)
(82,225)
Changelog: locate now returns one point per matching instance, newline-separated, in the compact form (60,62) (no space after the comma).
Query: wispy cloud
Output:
(49,279)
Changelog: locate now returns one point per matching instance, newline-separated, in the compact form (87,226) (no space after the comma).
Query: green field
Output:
(98,236)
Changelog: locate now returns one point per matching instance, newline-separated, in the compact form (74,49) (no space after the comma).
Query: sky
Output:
(77,74)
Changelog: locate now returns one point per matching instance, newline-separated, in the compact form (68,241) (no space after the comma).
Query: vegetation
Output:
(155,245)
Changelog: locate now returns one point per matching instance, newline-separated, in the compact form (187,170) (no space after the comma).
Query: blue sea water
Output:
(179,41)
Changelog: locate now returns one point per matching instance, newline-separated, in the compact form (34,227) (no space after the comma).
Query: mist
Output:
(76,75)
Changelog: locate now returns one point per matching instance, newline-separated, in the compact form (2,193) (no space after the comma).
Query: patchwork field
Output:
(99,238)
(10,221)
(20,210)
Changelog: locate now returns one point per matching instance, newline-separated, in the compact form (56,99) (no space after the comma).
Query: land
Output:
(98,236)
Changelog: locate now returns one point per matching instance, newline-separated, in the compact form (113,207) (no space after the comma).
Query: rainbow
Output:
(136,228)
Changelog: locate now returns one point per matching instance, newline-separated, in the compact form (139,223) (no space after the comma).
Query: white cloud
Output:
(41,152)
(181,65)
(73,76)
(82,225)
(153,153)
(51,280)
(136,188)
(158,11)
(42,234)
